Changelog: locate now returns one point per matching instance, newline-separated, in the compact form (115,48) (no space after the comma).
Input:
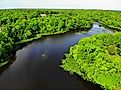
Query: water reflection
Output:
(96,29)
(37,65)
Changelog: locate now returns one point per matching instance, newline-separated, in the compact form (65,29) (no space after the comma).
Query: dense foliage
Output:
(26,25)
(97,59)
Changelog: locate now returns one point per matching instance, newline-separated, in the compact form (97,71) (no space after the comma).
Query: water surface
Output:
(37,65)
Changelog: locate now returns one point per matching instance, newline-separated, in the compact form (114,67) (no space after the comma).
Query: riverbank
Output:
(38,63)
(21,26)
(96,59)
(39,36)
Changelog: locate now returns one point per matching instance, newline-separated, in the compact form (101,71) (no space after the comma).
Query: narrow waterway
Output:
(37,65)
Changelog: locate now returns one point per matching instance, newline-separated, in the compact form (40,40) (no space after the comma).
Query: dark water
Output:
(37,65)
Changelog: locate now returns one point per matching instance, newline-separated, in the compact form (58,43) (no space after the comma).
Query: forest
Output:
(97,58)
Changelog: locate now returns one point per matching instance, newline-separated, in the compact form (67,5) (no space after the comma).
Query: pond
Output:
(36,66)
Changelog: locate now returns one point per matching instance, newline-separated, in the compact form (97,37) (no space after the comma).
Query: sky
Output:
(62,4)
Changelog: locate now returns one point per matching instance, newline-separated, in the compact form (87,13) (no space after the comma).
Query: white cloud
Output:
(80,4)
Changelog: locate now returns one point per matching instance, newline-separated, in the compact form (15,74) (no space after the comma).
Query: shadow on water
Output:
(37,65)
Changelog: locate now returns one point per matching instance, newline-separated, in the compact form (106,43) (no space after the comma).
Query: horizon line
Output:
(58,8)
